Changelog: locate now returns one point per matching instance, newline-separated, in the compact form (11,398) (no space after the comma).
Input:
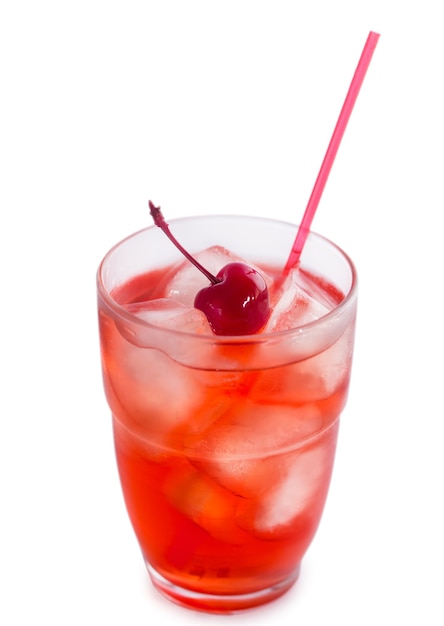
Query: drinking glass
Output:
(225,445)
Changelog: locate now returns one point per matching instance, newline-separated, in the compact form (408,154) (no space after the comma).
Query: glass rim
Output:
(260,337)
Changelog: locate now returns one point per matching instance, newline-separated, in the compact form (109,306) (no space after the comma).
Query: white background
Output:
(217,107)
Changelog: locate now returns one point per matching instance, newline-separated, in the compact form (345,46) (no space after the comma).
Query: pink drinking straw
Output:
(332,149)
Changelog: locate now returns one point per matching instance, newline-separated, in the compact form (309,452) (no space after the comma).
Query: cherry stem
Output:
(159,221)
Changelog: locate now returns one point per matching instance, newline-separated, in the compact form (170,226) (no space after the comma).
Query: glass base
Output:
(213,603)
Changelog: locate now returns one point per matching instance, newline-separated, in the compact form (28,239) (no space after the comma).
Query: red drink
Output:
(225,446)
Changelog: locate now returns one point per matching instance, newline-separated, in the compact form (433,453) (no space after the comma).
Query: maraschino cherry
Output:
(236,301)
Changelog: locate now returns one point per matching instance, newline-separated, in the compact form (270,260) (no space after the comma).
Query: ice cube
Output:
(296,305)
(302,489)
(171,314)
(292,495)
(174,316)
(206,503)
(151,394)
(307,380)
(188,280)
(241,450)
(333,366)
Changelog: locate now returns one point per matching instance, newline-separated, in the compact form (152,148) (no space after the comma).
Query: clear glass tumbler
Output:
(225,445)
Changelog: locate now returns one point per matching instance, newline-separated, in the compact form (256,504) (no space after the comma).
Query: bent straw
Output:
(332,149)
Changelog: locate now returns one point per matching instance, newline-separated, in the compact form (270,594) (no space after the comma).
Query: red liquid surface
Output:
(224,473)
